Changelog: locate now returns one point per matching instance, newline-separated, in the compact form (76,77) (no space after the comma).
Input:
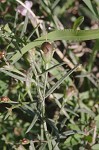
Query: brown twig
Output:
(65,59)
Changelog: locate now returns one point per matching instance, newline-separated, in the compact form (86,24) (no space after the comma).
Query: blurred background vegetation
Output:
(68,117)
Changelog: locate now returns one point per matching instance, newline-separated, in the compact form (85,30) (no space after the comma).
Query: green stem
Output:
(47,135)
(33,65)
(43,109)
(43,104)
(44,92)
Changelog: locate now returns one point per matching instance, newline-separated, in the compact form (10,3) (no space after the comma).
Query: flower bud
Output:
(47,51)
(24,141)
(2,54)
(4,99)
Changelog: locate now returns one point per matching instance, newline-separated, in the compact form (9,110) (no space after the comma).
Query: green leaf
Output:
(70,35)
(67,34)
(95,147)
(91,7)
(7,28)
(62,109)
(60,64)
(9,73)
(60,81)
(72,140)
(28,83)
(73,127)
(88,138)
(97,121)
(31,147)
(72,132)
(55,145)
(12,75)
(26,48)
(78,22)
(21,147)
(42,147)
(32,123)
(85,110)
(93,55)
(52,124)
(25,25)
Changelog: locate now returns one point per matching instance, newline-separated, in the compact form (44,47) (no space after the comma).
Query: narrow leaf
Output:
(67,34)
(32,123)
(61,80)
(91,7)
(60,64)
(12,75)
(78,22)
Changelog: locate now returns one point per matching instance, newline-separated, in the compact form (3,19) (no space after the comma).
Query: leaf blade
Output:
(60,81)
(67,34)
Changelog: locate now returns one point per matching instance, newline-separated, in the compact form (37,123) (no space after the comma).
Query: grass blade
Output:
(91,7)
(67,34)
(32,123)
(78,22)
(12,75)
(61,80)
(60,64)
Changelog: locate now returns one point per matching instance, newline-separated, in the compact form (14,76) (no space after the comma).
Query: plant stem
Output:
(43,109)
(45,84)
(43,105)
